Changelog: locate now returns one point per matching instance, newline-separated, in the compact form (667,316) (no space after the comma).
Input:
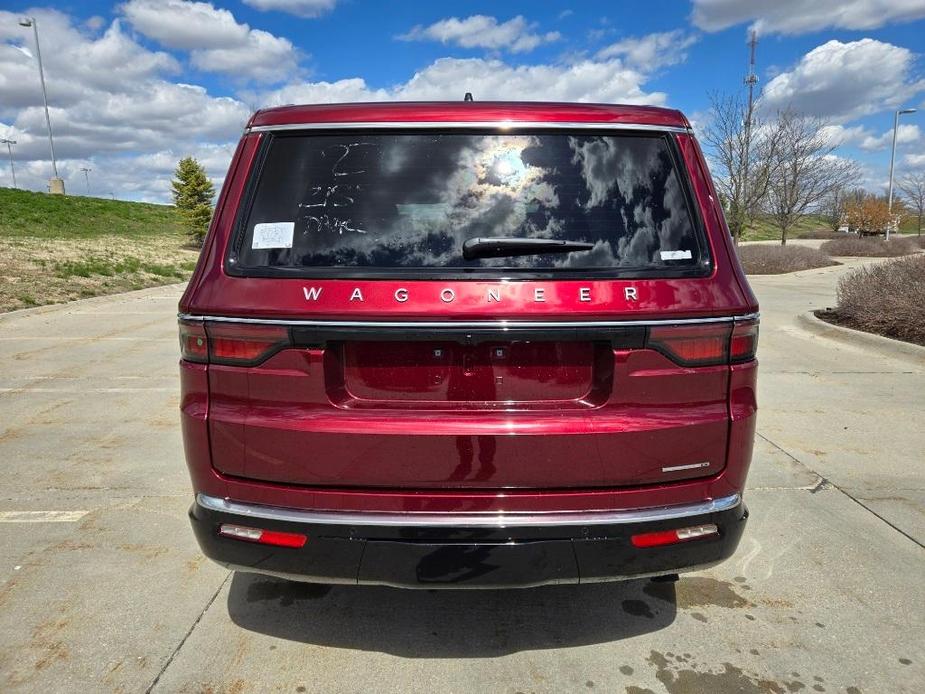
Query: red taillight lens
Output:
(671,537)
(744,342)
(194,346)
(706,344)
(232,343)
(692,345)
(263,537)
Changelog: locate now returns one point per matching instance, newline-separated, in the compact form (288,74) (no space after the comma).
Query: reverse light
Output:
(671,537)
(194,345)
(263,537)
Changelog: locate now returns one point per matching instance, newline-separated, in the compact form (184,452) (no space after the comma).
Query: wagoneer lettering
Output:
(508,344)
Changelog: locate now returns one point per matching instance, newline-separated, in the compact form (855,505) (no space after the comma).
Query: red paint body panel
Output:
(366,426)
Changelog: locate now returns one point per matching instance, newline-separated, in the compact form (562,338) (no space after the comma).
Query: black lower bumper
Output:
(417,556)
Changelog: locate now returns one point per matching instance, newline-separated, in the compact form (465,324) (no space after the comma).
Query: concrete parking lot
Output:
(102,587)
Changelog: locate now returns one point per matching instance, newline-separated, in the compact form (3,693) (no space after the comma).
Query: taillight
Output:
(706,344)
(692,345)
(243,344)
(672,537)
(744,342)
(194,345)
(236,344)
(263,537)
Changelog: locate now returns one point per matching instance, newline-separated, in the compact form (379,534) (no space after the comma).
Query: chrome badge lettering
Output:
(448,295)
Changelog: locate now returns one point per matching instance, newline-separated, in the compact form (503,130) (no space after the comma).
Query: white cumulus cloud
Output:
(516,35)
(842,81)
(299,8)
(487,79)
(803,16)
(652,50)
(216,40)
(112,102)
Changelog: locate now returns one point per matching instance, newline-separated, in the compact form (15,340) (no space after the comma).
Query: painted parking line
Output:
(41,516)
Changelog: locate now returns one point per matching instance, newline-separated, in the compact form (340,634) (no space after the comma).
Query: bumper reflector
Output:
(670,537)
(263,537)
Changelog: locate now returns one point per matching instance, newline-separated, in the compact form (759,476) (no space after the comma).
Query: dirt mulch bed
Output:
(761,259)
(37,271)
(852,246)
(886,299)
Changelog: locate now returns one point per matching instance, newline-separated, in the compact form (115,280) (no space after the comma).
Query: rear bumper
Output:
(416,550)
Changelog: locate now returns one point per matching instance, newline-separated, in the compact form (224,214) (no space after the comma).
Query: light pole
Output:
(87,177)
(56,184)
(892,160)
(9,148)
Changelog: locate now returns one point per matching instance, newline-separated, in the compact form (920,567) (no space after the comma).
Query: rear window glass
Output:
(407,201)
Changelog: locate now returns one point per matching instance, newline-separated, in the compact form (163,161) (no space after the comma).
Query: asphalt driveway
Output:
(102,587)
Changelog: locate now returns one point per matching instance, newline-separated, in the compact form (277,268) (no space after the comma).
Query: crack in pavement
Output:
(188,633)
(825,483)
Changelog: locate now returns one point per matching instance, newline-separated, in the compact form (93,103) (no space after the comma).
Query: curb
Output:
(859,338)
(89,301)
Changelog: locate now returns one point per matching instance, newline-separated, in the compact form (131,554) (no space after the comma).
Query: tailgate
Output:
(469,407)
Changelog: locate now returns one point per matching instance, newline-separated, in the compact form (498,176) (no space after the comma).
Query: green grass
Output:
(39,215)
(55,248)
(109,267)
(763,230)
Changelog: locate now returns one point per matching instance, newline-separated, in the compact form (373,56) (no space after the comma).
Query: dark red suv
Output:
(468,344)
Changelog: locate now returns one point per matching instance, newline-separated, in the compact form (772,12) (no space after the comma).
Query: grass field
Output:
(59,248)
(763,230)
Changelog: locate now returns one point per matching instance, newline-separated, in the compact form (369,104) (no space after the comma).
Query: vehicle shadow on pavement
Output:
(449,623)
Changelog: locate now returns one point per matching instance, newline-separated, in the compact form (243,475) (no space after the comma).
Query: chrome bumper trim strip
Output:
(474,325)
(468,520)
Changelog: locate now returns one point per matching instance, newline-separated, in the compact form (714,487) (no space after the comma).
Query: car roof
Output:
(467,111)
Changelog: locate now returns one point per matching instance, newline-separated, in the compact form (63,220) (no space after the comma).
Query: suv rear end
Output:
(468,344)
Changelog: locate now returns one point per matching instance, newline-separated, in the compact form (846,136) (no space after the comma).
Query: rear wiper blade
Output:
(505,247)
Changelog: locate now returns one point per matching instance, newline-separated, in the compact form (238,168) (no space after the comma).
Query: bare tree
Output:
(913,188)
(833,207)
(743,155)
(806,172)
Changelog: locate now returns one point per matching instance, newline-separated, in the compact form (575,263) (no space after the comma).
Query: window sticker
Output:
(675,255)
(272,235)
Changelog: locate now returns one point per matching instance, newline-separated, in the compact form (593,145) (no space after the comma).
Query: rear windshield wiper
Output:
(505,247)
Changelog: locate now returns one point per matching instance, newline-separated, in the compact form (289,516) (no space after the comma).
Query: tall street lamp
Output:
(892,160)
(9,148)
(56,184)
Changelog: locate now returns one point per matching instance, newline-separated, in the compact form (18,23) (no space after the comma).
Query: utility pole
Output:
(896,116)
(87,177)
(751,79)
(9,148)
(56,184)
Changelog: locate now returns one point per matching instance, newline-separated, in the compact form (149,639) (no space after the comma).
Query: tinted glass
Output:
(406,200)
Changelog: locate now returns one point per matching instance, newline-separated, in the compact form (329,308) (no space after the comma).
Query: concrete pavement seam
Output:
(188,633)
(825,483)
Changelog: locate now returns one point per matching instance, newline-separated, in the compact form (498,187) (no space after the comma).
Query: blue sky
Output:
(135,85)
